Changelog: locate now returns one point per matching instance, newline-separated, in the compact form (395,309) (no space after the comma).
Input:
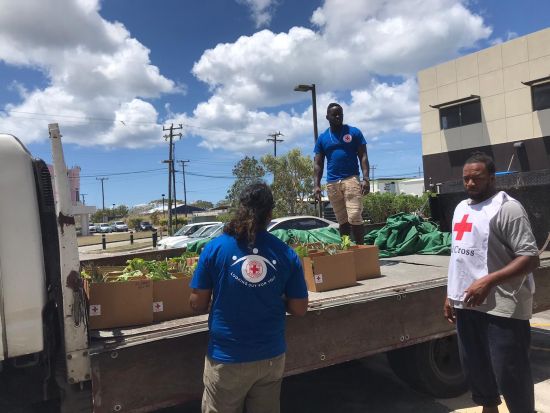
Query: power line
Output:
(125,122)
(118,173)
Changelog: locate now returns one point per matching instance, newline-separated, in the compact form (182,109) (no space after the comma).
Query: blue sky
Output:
(112,73)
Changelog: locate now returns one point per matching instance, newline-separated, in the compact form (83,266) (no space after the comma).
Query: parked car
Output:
(145,226)
(91,228)
(209,231)
(184,233)
(119,226)
(103,228)
(304,222)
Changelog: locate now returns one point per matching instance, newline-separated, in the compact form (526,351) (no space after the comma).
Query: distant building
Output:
(409,186)
(80,211)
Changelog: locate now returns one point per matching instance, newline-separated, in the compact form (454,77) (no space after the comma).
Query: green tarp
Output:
(406,234)
(403,234)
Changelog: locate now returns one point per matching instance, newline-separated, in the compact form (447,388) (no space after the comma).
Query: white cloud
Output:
(261,11)
(355,43)
(96,71)
(509,36)
(376,109)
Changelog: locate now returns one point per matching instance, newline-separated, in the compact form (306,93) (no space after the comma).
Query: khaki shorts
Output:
(229,387)
(346,200)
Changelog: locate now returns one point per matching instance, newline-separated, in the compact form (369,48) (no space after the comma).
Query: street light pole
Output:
(307,88)
(163,213)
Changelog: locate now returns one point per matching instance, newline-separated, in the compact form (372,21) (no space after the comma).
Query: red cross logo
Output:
(253,269)
(157,305)
(462,227)
(95,309)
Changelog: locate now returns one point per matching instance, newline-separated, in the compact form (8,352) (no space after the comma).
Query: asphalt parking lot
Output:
(369,385)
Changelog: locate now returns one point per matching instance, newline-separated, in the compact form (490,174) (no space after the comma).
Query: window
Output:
(541,96)
(460,115)
(311,223)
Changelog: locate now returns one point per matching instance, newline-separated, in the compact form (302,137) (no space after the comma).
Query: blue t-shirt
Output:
(247,316)
(340,150)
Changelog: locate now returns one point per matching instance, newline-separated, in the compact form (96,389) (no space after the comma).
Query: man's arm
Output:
(318,165)
(200,300)
(519,266)
(297,306)
(365,167)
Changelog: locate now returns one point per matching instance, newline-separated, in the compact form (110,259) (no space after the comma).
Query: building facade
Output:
(496,100)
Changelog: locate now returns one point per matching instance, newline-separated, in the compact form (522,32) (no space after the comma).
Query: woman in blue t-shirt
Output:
(251,279)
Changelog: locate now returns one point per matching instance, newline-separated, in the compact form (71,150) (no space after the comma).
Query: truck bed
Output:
(399,276)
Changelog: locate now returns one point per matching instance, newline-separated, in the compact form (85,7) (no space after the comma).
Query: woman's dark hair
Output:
(480,157)
(255,205)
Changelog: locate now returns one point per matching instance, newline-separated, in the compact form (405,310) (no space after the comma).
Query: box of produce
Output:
(117,299)
(327,268)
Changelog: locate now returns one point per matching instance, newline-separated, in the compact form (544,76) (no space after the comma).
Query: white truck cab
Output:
(22,273)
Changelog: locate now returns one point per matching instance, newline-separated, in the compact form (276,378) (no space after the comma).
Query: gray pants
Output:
(229,387)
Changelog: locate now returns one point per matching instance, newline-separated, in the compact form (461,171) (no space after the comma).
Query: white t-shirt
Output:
(486,237)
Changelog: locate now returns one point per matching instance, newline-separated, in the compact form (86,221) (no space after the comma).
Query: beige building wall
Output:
(496,75)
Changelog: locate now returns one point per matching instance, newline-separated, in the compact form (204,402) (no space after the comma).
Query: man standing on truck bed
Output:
(342,145)
(255,278)
(490,290)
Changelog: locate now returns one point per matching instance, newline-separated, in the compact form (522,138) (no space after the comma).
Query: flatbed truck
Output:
(51,361)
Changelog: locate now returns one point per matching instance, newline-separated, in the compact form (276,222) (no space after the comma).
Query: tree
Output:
(248,170)
(203,204)
(292,182)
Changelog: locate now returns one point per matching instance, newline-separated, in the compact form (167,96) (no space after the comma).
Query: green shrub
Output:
(133,222)
(379,206)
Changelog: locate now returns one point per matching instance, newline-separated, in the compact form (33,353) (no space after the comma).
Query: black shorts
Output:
(494,352)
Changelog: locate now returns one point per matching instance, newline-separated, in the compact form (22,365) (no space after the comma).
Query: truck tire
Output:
(432,367)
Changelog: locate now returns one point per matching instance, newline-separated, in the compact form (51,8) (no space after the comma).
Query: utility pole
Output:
(170,137)
(103,194)
(184,188)
(274,139)
(372,168)
(83,199)
(175,197)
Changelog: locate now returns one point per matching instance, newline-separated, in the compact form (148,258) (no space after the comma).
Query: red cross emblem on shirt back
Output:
(462,227)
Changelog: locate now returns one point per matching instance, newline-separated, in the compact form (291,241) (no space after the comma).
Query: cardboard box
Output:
(171,299)
(192,260)
(367,264)
(325,272)
(119,304)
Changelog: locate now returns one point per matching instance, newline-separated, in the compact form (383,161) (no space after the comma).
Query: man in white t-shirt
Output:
(490,290)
